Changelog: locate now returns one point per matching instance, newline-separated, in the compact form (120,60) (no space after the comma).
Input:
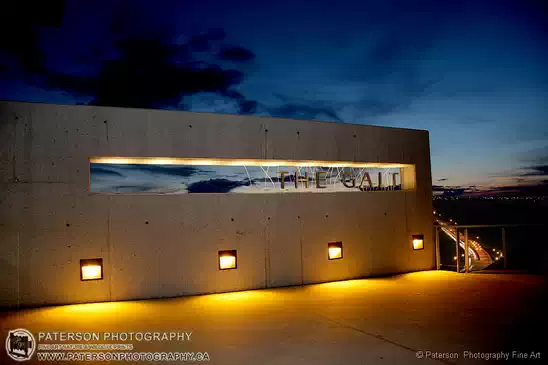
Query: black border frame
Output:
(417,237)
(337,244)
(228,253)
(97,261)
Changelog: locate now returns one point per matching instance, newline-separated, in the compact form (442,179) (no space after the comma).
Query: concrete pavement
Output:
(370,321)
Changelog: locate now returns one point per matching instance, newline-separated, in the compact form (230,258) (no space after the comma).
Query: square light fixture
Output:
(91,269)
(418,241)
(334,250)
(227,260)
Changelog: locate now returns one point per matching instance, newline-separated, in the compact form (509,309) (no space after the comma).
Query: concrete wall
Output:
(166,245)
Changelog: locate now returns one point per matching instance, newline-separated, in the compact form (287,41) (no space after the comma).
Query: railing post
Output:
(466,263)
(458,257)
(437,248)
(504,247)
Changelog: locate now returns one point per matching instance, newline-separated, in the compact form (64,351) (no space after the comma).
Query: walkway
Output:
(370,321)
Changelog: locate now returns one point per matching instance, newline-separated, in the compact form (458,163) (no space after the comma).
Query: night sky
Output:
(473,73)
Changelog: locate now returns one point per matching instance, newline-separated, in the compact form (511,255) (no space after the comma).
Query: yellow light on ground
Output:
(418,242)
(91,269)
(334,250)
(227,260)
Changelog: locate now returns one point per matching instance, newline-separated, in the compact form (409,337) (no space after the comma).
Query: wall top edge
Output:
(247,118)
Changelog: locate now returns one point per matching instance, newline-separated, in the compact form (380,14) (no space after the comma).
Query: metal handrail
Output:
(488,225)
(466,247)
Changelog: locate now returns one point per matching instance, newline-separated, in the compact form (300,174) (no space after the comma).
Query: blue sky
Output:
(471,72)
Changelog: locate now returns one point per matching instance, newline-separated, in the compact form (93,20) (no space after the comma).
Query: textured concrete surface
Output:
(166,245)
(370,321)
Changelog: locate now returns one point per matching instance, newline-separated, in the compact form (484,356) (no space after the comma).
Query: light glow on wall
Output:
(227,260)
(91,269)
(334,250)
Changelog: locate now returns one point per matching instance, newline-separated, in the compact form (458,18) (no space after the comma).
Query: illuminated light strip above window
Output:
(239,162)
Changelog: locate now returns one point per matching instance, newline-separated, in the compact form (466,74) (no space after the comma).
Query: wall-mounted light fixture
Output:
(418,241)
(91,269)
(227,260)
(334,250)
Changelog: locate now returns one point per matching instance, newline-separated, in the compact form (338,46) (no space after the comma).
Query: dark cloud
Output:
(403,91)
(539,170)
(539,189)
(131,188)
(96,170)
(236,54)
(136,66)
(183,171)
(215,186)
(303,109)
(245,106)
(399,37)
(536,156)
(20,22)
(450,190)
(205,41)
(152,73)
(443,179)
(457,190)
(535,165)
